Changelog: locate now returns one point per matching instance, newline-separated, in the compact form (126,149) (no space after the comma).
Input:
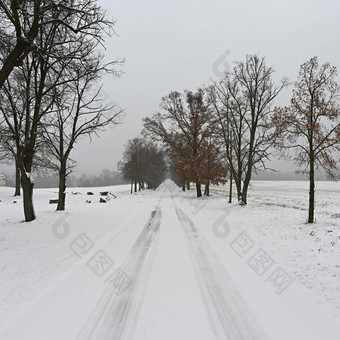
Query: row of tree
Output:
(50,93)
(143,164)
(231,126)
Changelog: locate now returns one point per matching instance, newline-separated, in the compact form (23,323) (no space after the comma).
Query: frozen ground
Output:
(165,265)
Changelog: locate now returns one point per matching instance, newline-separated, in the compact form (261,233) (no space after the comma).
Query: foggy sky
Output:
(177,45)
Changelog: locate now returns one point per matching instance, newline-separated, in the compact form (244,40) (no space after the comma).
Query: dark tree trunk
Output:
(198,189)
(62,188)
(183,186)
(135,185)
(27,189)
(230,187)
(311,192)
(207,190)
(17,178)
(245,191)
(248,174)
(246,185)
(239,190)
(131,186)
(188,185)
(238,183)
(231,169)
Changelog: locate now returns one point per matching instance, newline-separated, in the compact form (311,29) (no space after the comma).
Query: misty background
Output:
(176,45)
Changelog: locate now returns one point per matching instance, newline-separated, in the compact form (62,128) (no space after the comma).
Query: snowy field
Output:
(165,265)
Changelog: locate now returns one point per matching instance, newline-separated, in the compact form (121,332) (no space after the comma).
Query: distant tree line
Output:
(105,178)
(229,129)
(143,165)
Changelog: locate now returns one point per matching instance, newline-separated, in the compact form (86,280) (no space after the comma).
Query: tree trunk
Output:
(238,183)
(183,186)
(198,189)
(248,176)
(207,190)
(230,187)
(27,189)
(188,185)
(62,188)
(311,191)
(135,185)
(244,194)
(231,169)
(131,186)
(17,178)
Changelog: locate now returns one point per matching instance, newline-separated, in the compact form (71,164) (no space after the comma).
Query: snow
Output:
(188,272)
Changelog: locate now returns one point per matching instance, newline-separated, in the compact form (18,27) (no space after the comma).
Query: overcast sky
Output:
(182,44)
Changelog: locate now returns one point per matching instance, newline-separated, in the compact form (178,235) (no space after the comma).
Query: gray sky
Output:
(177,45)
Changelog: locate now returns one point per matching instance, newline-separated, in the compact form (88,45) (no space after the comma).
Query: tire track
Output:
(110,316)
(229,315)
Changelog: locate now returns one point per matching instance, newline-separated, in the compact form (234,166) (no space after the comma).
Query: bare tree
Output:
(12,99)
(143,163)
(59,48)
(79,112)
(310,125)
(131,166)
(243,105)
(15,98)
(24,20)
(230,107)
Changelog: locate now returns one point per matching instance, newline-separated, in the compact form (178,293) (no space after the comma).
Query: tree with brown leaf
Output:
(310,125)
(183,126)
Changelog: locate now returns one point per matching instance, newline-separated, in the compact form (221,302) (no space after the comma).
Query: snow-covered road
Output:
(210,307)
(161,272)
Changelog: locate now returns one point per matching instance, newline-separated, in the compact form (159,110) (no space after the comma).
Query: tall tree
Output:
(189,123)
(242,102)
(60,42)
(79,112)
(310,125)
(16,97)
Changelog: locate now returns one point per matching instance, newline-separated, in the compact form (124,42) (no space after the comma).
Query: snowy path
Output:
(188,293)
(226,308)
(109,319)
(183,282)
